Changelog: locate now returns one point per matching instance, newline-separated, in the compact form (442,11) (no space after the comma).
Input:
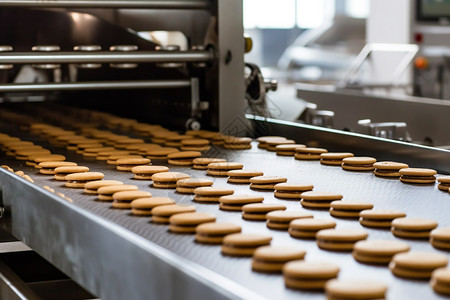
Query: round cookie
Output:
(161,214)
(417,175)
(272,144)
(167,180)
(35,160)
(444,183)
(93,186)
(126,164)
(242,176)
(379,218)
(24,154)
(183,158)
(266,182)
(144,206)
(187,222)
(308,228)
(104,155)
(258,211)
(378,251)
(237,143)
(222,168)
(388,169)
(244,244)
(280,219)
(440,281)
(287,149)
(161,153)
(417,265)
(271,259)
(146,172)
(187,186)
(358,163)
(440,238)
(78,180)
(235,202)
(210,194)
(48,167)
(318,200)
(63,171)
(309,153)
(413,228)
(201,163)
(262,140)
(112,160)
(123,199)
(214,233)
(334,158)
(304,275)
(105,193)
(291,191)
(348,209)
(339,239)
(175,140)
(195,145)
(355,290)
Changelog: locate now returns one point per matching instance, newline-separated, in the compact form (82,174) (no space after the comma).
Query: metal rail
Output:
(106,57)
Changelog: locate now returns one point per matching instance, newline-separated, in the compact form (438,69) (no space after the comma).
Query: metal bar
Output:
(200,4)
(95,85)
(106,57)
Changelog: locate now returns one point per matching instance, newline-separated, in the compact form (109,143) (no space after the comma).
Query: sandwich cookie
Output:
(304,275)
(126,164)
(440,238)
(334,158)
(183,158)
(237,143)
(62,172)
(105,193)
(146,172)
(167,180)
(417,265)
(280,219)
(81,148)
(112,160)
(440,281)
(262,141)
(48,167)
(235,202)
(287,149)
(417,175)
(123,199)
(444,183)
(214,233)
(378,251)
(123,143)
(388,169)
(24,154)
(339,239)
(176,140)
(201,163)
(291,191)
(210,194)
(355,290)
(161,214)
(379,218)
(93,186)
(35,160)
(244,244)
(318,200)
(271,259)
(78,180)
(258,211)
(242,176)
(104,155)
(187,186)
(309,153)
(266,182)
(92,152)
(358,164)
(272,144)
(144,206)
(413,228)
(348,209)
(307,228)
(195,145)
(187,222)
(161,153)
(222,168)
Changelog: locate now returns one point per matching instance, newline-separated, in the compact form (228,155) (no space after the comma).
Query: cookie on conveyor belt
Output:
(167,180)
(112,160)
(242,176)
(183,158)
(24,154)
(237,143)
(222,168)
(48,167)
(319,200)
(244,244)
(93,186)
(291,191)
(379,218)
(309,275)
(280,219)
(146,172)
(440,281)
(201,163)
(161,214)
(175,140)
(417,175)
(104,155)
(262,140)
(236,201)
(126,164)
(214,232)
(417,265)
(35,160)
(309,153)
(355,290)
(195,145)
(78,180)
(348,208)
(334,158)
(187,186)
(123,199)
(444,183)
(211,194)
(258,211)
(358,164)
(144,206)
(308,228)
(440,238)
(287,149)
(266,183)
(378,251)
(161,153)
(63,171)
(388,169)
(339,239)
(187,222)
(92,152)
(413,228)
(272,144)
(271,259)
(105,193)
